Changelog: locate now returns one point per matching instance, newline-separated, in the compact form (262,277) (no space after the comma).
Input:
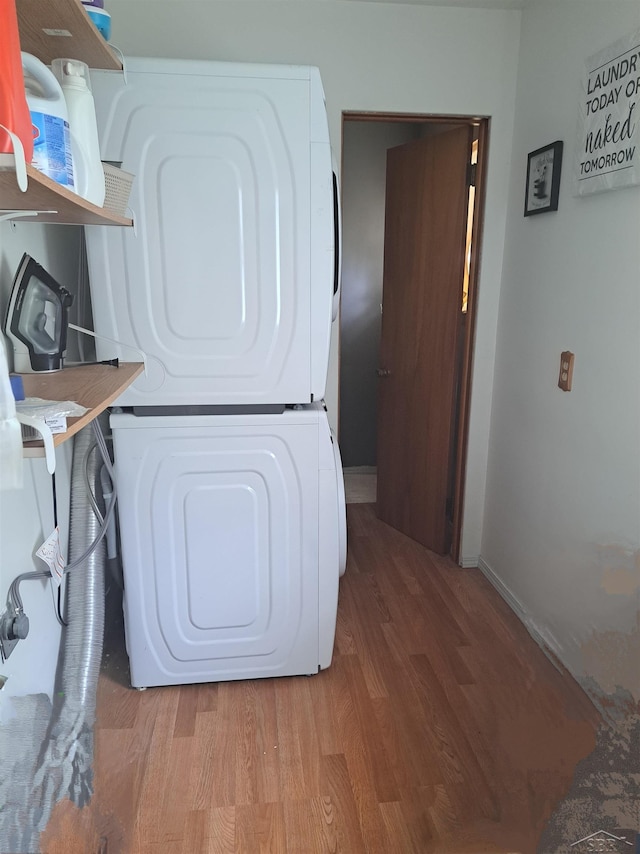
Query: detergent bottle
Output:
(75,81)
(49,118)
(14,111)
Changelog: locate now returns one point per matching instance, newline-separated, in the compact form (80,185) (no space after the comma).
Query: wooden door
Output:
(425,226)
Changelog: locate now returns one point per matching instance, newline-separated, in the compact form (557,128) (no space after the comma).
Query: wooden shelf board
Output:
(71,33)
(53,202)
(93,386)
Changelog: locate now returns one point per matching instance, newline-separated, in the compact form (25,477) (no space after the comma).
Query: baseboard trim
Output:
(469,562)
(607,706)
(543,637)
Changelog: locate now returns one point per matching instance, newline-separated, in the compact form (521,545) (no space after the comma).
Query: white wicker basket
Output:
(117,189)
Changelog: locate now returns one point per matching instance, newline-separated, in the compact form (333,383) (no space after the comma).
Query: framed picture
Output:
(543,179)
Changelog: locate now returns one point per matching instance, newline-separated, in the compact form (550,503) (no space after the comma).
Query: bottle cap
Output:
(71,73)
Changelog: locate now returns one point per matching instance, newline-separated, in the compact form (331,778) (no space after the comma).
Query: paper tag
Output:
(50,553)
(49,32)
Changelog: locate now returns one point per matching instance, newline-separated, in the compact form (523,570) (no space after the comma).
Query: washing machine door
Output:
(342,509)
(332,539)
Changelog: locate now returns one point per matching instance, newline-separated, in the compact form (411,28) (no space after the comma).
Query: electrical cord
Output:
(14,600)
(112,503)
(14,587)
(58,608)
(58,611)
(87,483)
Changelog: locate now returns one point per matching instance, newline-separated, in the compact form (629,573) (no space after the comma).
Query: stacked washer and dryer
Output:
(230,491)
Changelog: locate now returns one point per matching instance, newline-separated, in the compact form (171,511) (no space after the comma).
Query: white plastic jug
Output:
(49,118)
(73,76)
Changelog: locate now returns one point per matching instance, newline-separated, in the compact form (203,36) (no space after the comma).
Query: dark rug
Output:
(602,809)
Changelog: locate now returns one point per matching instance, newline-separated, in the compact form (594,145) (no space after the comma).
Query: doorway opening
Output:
(432,484)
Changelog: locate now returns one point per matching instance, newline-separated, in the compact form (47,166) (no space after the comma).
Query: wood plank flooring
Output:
(439,727)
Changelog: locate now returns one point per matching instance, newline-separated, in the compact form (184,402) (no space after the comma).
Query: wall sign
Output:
(608,144)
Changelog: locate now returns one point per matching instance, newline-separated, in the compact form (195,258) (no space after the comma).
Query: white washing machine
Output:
(233,540)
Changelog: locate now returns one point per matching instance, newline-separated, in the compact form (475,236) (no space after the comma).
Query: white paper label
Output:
(51,554)
(56,32)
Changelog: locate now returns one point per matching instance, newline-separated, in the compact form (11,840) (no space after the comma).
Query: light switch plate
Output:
(566,370)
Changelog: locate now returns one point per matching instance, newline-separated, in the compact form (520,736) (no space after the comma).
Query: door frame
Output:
(459,444)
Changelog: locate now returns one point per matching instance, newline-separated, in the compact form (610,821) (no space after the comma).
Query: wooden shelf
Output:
(53,202)
(51,29)
(93,386)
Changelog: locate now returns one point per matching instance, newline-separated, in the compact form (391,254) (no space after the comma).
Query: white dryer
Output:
(234,536)
(229,278)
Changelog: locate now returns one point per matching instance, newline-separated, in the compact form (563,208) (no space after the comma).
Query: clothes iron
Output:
(37,319)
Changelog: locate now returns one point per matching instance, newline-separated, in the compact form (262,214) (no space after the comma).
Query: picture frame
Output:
(544,166)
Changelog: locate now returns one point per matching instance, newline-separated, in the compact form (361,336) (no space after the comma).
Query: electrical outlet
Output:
(566,370)
(6,644)
(14,626)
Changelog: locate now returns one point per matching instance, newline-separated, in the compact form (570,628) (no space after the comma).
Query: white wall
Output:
(562,513)
(378,57)
(26,515)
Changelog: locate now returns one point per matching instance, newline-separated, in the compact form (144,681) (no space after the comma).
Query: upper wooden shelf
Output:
(93,386)
(51,29)
(53,202)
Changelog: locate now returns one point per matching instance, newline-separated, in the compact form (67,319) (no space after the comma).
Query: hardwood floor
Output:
(439,727)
